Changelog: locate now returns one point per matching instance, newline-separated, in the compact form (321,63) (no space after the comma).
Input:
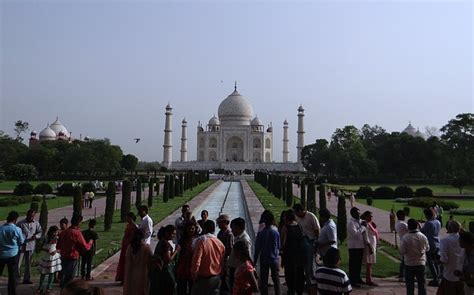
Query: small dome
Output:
(410,130)
(47,134)
(184,121)
(33,133)
(256,122)
(214,121)
(301,109)
(285,122)
(58,127)
(236,109)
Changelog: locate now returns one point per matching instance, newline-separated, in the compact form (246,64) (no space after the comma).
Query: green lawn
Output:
(417,212)
(21,209)
(10,184)
(436,188)
(385,267)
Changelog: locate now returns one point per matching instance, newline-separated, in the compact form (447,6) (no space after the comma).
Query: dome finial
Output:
(235,85)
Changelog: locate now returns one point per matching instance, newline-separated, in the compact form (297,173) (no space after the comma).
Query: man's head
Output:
(30,215)
(143,210)
(204,214)
(324,215)
(237,226)
(209,227)
(92,223)
(300,210)
(466,240)
(223,221)
(63,223)
(429,214)
(453,226)
(412,224)
(12,217)
(332,257)
(401,215)
(267,218)
(185,209)
(76,220)
(355,213)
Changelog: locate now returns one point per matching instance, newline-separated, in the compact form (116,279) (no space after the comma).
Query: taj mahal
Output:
(234,140)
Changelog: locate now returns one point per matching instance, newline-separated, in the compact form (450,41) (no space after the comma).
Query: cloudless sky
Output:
(108,68)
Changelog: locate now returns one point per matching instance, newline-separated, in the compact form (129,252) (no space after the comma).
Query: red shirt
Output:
(71,242)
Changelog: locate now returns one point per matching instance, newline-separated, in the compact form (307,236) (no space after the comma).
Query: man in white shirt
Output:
(355,244)
(310,224)
(32,231)
(180,222)
(413,247)
(401,228)
(147,224)
(328,235)
(451,256)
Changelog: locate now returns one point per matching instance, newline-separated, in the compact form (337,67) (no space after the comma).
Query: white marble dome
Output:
(236,109)
(410,130)
(58,127)
(47,134)
(256,122)
(214,121)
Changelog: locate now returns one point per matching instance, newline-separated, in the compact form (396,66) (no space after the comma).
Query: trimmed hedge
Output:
(383,192)
(66,189)
(13,201)
(23,189)
(365,192)
(428,202)
(403,191)
(423,192)
(43,189)
(88,187)
(461,211)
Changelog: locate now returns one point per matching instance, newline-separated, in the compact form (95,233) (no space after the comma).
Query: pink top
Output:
(241,281)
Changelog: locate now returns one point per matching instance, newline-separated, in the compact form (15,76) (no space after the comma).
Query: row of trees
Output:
(61,158)
(372,153)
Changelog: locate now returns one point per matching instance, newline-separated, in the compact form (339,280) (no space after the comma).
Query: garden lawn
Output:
(9,185)
(417,212)
(57,202)
(385,267)
(436,188)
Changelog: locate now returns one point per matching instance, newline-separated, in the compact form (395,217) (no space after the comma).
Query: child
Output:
(50,262)
(86,257)
(245,282)
(330,278)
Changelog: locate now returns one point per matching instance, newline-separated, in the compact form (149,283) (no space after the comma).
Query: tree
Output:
(129,162)
(138,201)
(460,182)
(150,192)
(126,200)
(341,219)
(10,150)
(431,131)
(289,192)
(166,188)
(171,186)
(322,197)
(315,156)
(23,172)
(77,201)
(43,219)
(20,127)
(109,206)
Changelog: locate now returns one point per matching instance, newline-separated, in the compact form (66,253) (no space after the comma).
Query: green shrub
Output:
(461,211)
(406,210)
(428,202)
(34,206)
(77,200)
(341,219)
(43,189)
(23,189)
(43,219)
(126,199)
(364,192)
(322,197)
(471,226)
(109,206)
(66,189)
(383,192)
(370,201)
(88,187)
(403,191)
(423,192)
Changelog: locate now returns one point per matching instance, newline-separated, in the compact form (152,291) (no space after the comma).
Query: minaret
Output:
(184,141)
(300,133)
(168,144)
(285,142)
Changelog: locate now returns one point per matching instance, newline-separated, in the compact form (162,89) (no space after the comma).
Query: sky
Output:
(108,68)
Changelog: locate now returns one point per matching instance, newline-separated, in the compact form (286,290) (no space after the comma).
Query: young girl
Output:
(50,262)
(370,252)
(245,282)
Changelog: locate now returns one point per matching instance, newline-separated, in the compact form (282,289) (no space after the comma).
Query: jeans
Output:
(68,269)
(308,268)
(27,257)
(12,266)
(184,286)
(433,265)
(355,265)
(265,268)
(208,286)
(86,264)
(410,273)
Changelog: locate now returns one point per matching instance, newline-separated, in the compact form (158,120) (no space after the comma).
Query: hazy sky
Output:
(108,68)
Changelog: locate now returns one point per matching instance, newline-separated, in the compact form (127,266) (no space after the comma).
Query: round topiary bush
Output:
(365,192)
(423,192)
(66,189)
(369,201)
(23,189)
(428,202)
(406,210)
(88,187)
(383,192)
(43,189)
(403,191)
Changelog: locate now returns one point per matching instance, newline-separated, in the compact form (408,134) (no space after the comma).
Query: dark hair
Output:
(401,214)
(143,208)
(365,214)
(298,207)
(290,215)
(92,223)
(332,257)
(185,234)
(412,224)
(267,218)
(238,222)
(428,213)
(241,248)
(137,239)
(205,211)
(80,287)
(64,220)
(324,212)
(132,216)
(30,211)
(466,237)
(209,227)
(76,219)
(12,216)
(354,210)
(166,231)
(51,230)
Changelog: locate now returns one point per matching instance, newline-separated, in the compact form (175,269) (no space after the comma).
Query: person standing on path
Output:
(31,231)
(401,228)
(183,267)
(50,262)
(310,224)
(352,199)
(147,223)
(180,222)
(86,256)
(206,266)
(328,235)
(330,278)
(70,245)
(11,238)
(138,259)
(466,240)
(356,245)
(413,247)
(392,220)
(245,281)
(370,252)
(238,230)
(204,216)
(267,249)
(127,238)
(451,255)
(431,230)
(227,238)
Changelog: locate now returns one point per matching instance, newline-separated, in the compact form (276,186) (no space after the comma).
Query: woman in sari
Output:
(127,238)
(138,258)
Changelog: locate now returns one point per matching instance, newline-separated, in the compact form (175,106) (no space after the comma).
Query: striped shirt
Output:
(332,281)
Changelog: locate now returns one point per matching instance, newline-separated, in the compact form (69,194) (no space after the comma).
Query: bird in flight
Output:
(137,140)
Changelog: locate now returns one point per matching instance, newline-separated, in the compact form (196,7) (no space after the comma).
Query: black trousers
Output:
(295,278)
(86,264)
(355,265)
(12,266)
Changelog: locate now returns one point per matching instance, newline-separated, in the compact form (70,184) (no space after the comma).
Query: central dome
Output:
(235,109)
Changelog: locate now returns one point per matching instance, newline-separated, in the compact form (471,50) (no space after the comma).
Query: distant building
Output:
(410,130)
(55,131)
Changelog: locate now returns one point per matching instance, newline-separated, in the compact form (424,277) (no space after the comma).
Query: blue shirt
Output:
(431,230)
(267,245)
(11,238)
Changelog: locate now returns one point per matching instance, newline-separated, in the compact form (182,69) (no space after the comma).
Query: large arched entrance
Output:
(235,149)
